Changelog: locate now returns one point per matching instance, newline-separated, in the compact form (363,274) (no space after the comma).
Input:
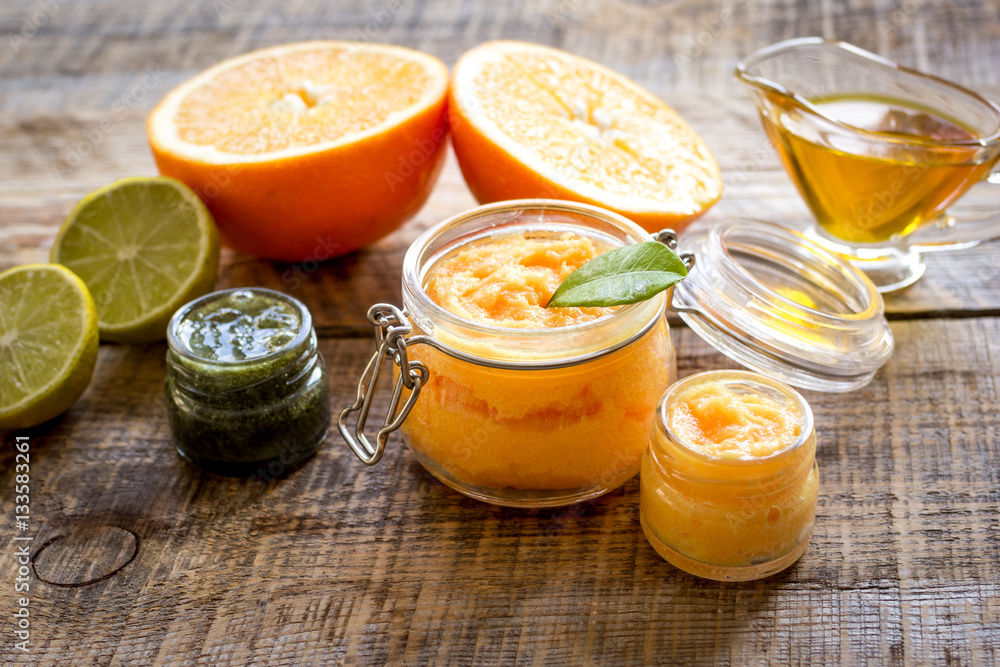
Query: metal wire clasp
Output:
(391,328)
(668,237)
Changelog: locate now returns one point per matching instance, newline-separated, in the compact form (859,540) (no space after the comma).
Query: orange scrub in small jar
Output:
(729,483)
(538,407)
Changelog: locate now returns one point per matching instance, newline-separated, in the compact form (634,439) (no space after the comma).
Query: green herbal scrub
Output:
(247,389)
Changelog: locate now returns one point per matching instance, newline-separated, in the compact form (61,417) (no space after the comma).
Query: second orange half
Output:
(533,121)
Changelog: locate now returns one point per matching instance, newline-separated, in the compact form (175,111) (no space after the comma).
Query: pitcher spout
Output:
(797,71)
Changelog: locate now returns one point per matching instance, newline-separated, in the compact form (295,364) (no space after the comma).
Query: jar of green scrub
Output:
(246,386)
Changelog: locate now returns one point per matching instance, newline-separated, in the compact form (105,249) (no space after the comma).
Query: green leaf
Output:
(627,274)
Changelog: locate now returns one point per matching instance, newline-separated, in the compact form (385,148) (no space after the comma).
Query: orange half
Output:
(533,121)
(307,150)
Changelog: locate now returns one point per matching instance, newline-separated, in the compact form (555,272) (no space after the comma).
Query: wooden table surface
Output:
(140,558)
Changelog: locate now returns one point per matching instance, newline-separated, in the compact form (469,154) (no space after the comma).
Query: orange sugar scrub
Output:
(717,421)
(729,483)
(507,280)
(503,434)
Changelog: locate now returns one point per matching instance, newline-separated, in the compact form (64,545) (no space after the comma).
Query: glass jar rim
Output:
(421,255)
(750,377)
(301,336)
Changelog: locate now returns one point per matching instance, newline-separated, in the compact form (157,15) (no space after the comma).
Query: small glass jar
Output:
(721,515)
(246,386)
(519,417)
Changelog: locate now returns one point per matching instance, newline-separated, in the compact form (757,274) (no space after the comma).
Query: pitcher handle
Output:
(947,233)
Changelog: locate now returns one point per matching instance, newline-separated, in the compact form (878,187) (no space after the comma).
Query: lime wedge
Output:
(48,343)
(145,247)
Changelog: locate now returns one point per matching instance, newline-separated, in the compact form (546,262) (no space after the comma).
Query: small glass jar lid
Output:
(239,327)
(776,302)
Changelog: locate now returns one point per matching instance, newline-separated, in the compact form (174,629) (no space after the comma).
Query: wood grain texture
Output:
(337,563)
(386,564)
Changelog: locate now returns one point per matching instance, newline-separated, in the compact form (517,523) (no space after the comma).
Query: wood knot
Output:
(86,555)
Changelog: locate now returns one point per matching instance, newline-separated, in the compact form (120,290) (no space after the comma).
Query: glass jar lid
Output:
(774,301)
(239,326)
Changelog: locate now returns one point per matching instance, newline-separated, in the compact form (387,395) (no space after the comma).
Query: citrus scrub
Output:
(48,343)
(533,121)
(508,280)
(729,483)
(308,150)
(526,405)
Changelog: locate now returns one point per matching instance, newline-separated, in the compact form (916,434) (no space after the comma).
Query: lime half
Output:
(145,247)
(48,343)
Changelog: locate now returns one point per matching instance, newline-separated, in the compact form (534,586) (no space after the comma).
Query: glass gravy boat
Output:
(878,151)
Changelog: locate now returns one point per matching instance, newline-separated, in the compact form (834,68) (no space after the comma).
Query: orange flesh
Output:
(598,129)
(578,427)
(531,121)
(299,100)
(508,280)
(736,508)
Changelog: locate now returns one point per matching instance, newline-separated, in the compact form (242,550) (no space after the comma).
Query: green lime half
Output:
(145,247)
(48,343)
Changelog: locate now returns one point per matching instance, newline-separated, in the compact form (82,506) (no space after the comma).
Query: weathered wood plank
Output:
(340,563)
(369,565)
(656,41)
